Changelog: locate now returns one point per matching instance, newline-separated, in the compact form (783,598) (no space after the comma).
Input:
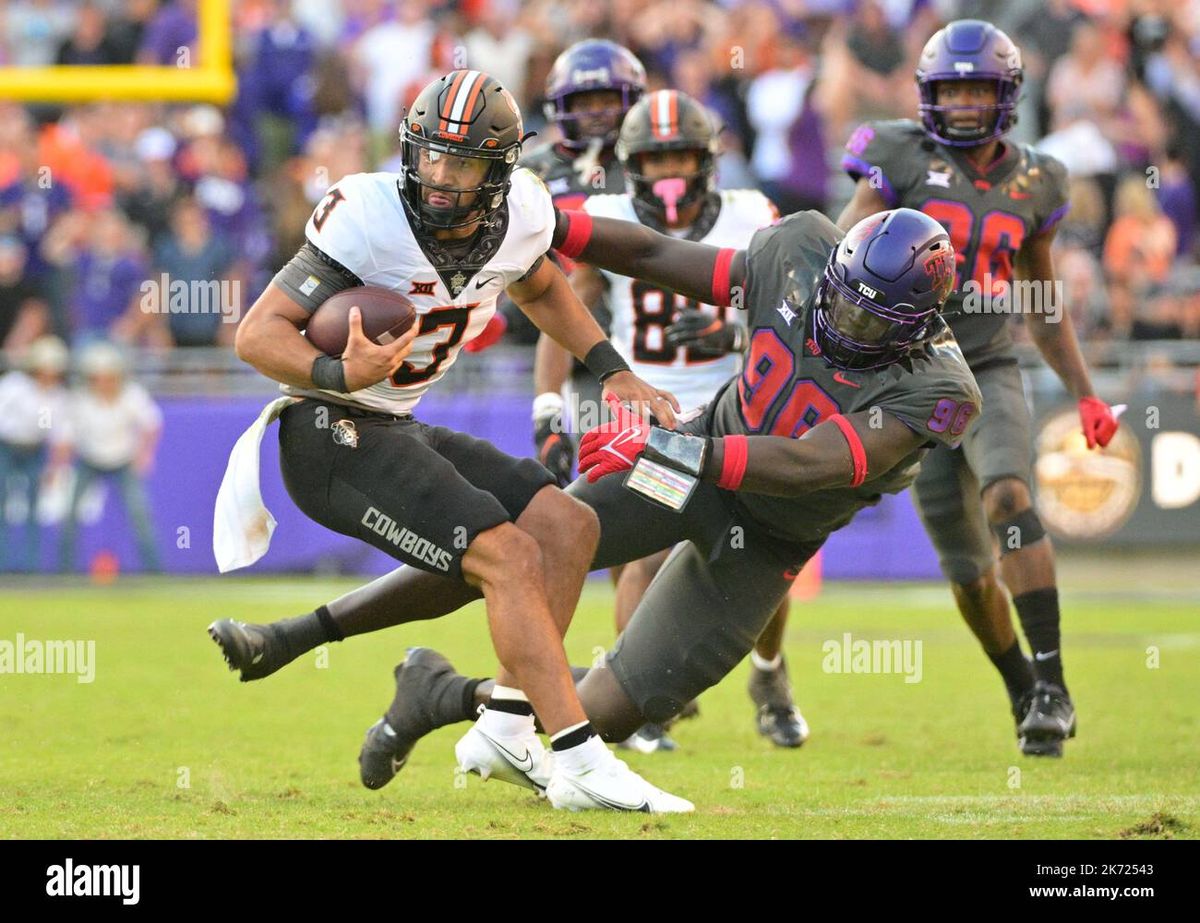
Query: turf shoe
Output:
(1047,719)
(410,717)
(610,785)
(256,650)
(520,760)
(778,717)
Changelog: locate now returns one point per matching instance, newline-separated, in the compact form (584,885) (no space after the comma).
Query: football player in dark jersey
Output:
(851,377)
(1000,202)
(591,87)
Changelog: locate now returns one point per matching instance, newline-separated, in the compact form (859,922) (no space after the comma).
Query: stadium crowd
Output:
(96,199)
(101,204)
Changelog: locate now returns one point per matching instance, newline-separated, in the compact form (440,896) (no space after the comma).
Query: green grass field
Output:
(166,743)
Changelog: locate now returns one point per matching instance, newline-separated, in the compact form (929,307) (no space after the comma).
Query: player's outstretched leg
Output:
(631,587)
(778,718)
(429,694)
(1047,718)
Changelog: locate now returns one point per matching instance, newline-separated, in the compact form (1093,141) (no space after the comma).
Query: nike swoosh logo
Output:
(843,380)
(518,762)
(1046,656)
(480,283)
(644,807)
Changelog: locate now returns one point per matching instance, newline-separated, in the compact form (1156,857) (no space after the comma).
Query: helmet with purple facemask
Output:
(969,49)
(882,290)
(589,66)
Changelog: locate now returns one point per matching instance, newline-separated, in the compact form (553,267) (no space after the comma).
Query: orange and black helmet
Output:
(467,114)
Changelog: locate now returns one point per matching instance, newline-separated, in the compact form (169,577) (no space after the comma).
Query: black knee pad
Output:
(1019,532)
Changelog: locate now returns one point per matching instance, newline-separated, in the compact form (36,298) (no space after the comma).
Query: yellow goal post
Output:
(210,79)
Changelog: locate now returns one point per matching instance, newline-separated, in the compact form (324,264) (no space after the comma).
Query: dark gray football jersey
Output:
(989,214)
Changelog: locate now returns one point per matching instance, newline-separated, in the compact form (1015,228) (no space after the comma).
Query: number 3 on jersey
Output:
(769,368)
(453,319)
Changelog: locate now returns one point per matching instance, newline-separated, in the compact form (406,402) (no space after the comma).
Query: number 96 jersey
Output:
(642,311)
(988,214)
(787,387)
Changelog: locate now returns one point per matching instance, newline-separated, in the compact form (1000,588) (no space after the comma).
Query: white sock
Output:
(767,666)
(506,724)
(582,757)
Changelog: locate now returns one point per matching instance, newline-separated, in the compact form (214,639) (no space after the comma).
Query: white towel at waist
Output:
(242,525)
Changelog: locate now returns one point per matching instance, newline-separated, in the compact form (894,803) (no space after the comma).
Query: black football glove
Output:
(705,334)
(555,448)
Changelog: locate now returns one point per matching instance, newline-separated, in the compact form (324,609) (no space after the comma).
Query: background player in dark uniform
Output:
(1000,202)
(852,376)
(591,87)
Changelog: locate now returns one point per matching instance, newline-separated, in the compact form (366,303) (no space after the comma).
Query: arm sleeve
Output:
(311,276)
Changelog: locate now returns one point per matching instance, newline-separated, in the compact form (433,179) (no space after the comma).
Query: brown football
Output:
(385,315)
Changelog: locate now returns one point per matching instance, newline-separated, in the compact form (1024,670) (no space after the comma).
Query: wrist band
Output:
(733,464)
(858,455)
(579,232)
(603,360)
(329,373)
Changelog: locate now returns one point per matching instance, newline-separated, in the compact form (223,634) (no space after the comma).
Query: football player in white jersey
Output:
(458,225)
(667,148)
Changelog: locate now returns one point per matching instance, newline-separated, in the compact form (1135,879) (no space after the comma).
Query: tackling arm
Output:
(709,274)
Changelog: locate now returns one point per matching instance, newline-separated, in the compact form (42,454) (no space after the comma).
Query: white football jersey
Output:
(362,224)
(641,311)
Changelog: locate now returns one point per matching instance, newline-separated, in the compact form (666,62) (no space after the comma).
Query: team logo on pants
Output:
(344,433)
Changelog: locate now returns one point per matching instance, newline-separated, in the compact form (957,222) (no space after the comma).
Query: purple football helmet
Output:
(593,64)
(969,49)
(883,287)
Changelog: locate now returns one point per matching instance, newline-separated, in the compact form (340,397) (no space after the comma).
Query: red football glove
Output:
(1099,424)
(613,446)
(490,335)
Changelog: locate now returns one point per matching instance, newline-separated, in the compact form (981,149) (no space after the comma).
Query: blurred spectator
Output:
(148,203)
(1085,83)
(387,59)
(111,430)
(1140,245)
(89,43)
(33,31)
(1177,198)
(191,254)
(24,315)
(170,37)
(32,403)
(787,132)
(106,270)
(500,46)
(278,84)
(127,29)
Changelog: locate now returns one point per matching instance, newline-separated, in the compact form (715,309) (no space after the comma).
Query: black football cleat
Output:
(386,748)
(778,717)
(256,650)
(1046,719)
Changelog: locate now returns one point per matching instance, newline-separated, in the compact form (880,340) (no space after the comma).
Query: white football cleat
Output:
(612,786)
(520,760)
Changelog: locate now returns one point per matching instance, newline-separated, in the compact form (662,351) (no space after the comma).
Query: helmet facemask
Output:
(665,195)
(467,205)
(856,333)
(937,118)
